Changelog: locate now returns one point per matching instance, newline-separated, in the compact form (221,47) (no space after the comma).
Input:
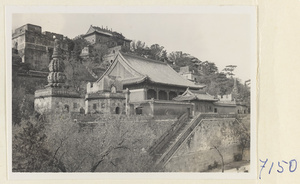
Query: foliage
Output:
(217,83)
(23,97)
(77,75)
(60,144)
(243,135)
(79,43)
(228,70)
(139,48)
(158,53)
(155,51)
(97,52)
(77,68)
(30,150)
(17,95)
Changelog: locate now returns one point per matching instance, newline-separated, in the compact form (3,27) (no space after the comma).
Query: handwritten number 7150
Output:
(292,166)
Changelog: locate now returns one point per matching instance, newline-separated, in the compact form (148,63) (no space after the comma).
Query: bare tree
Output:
(216,143)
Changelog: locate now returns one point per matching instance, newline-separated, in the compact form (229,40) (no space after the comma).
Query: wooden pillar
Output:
(168,95)
(145,93)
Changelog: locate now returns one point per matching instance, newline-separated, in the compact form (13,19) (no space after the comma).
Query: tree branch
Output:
(79,164)
(107,152)
(221,157)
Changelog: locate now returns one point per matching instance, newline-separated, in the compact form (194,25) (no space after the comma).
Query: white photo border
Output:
(251,10)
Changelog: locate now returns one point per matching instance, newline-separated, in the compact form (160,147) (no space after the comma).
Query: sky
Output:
(222,38)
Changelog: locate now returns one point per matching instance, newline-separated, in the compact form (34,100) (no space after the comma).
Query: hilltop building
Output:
(113,40)
(34,46)
(105,36)
(190,75)
(229,103)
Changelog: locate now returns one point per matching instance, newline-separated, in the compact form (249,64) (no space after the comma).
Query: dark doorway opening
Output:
(189,112)
(67,108)
(117,110)
(139,110)
(172,95)
(151,94)
(215,110)
(162,95)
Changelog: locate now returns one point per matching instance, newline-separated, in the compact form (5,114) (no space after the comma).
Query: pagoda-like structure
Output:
(57,95)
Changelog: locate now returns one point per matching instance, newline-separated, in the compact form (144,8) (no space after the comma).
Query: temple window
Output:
(74,105)
(162,95)
(172,94)
(67,108)
(113,89)
(151,93)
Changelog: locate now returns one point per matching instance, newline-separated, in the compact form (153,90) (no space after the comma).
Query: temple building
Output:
(147,79)
(56,95)
(105,36)
(151,85)
(188,74)
(202,101)
(112,40)
(227,103)
(107,98)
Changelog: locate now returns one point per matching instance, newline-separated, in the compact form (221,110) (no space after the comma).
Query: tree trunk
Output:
(221,158)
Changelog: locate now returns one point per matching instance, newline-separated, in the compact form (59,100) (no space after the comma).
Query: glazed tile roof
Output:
(157,71)
(106,32)
(226,104)
(133,80)
(195,95)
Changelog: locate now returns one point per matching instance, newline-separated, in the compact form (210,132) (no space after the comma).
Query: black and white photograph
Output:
(116,90)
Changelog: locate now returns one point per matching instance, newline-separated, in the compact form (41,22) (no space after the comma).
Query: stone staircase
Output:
(169,143)
(163,143)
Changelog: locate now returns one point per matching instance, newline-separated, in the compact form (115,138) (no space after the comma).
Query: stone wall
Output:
(42,105)
(59,104)
(240,109)
(34,46)
(96,38)
(171,108)
(67,104)
(38,59)
(225,109)
(161,108)
(197,153)
(105,106)
(203,106)
(137,95)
